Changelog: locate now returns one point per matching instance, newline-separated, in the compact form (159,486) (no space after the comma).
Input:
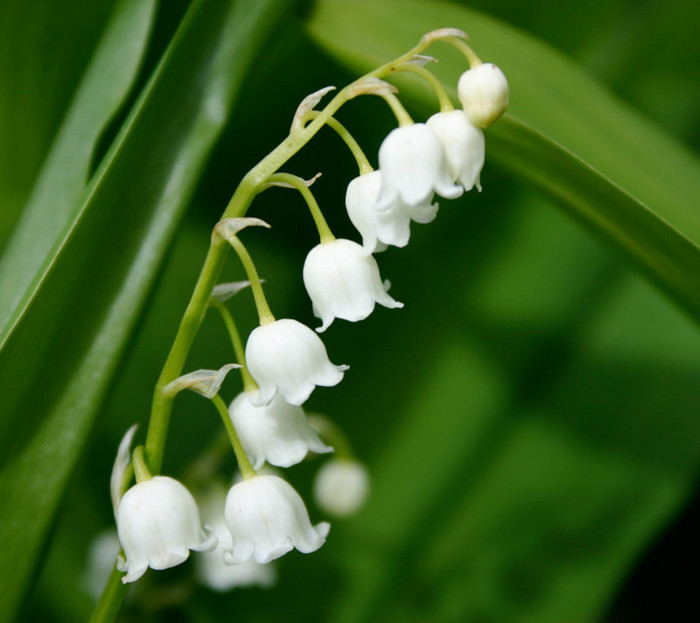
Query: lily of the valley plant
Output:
(262,517)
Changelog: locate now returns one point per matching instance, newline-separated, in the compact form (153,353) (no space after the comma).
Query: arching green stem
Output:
(397,108)
(429,76)
(349,139)
(470,55)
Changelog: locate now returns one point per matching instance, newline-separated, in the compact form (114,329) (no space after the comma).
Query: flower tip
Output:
(323,528)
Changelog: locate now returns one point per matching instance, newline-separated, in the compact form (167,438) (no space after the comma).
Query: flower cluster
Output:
(262,517)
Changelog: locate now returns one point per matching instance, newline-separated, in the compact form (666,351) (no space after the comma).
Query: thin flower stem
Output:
(470,55)
(264,313)
(343,132)
(248,383)
(243,463)
(141,471)
(397,108)
(286,178)
(111,600)
(429,76)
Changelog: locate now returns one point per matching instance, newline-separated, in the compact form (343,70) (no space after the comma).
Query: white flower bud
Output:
(464,146)
(483,91)
(277,433)
(343,282)
(288,357)
(412,164)
(341,487)
(158,524)
(267,519)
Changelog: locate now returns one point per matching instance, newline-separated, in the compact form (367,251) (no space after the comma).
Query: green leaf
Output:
(67,337)
(57,195)
(611,168)
(547,439)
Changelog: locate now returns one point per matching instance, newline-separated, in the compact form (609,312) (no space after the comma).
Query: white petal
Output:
(343,282)
(158,523)
(463,143)
(267,518)
(277,433)
(360,198)
(287,356)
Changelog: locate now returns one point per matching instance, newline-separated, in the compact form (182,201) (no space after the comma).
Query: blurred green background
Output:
(530,418)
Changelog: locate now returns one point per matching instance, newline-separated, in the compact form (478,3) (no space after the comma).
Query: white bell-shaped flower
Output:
(341,486)
(464,146)
(484,93)
(277,433)
(210,568)
(288,357)
(382,228)
(412,164)
(267,519)
(343,282)
(158,524)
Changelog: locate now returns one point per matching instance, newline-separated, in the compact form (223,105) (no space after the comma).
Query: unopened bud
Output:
(483,91)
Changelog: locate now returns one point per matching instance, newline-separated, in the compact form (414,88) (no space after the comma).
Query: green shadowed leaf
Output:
(549,439)
(612,169)
(56,197)
(86,294)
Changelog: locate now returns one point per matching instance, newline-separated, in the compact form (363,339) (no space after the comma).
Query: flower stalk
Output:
(244,465)
(324,231)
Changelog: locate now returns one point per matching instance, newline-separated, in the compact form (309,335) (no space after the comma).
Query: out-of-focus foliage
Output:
(529,418)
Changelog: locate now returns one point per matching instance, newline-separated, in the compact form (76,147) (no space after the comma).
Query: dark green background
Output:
(530,416)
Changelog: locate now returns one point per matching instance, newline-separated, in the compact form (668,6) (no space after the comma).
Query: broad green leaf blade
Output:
(615,171)
(33,101)
(664,253)
(56,197)
(64,348)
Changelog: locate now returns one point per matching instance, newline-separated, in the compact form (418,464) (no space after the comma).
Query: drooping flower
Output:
(412,164)
(158,524)
(464,146)
(380,228)
(343,282)
(267,519)
(288,357)
(210,568)
(341,486)
(484,94)
(277,433)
